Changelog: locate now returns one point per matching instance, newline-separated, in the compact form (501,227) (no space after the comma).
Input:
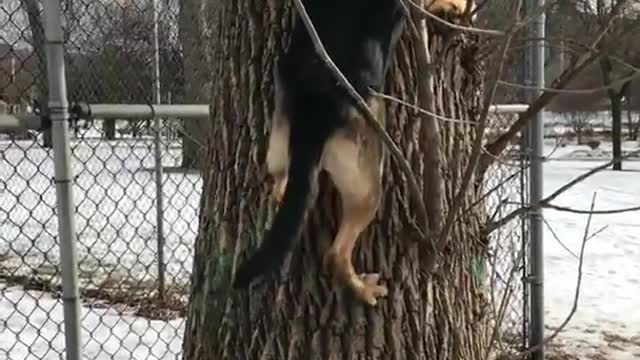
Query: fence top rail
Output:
(140,111)
(21,121)
(509,108)
(191,111)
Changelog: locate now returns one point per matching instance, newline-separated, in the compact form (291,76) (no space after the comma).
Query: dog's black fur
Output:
(360,37)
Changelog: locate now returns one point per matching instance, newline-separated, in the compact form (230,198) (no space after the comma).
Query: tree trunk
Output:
(630,124)
(628,99)
(197,81)
(615,101)
(32,9)
(109,129)
(299,315)
(616,129)
(34,16)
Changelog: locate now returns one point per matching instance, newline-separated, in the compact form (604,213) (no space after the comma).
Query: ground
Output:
(606,325)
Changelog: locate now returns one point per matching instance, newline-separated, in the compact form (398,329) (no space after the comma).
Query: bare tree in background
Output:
(580,122)
(34,15)
(620,56)
(40,94)
(633,125)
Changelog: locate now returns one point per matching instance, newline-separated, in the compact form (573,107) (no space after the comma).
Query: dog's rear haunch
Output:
(316,127)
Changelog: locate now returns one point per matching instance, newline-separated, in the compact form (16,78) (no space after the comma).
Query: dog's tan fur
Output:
(453,9)
(278,150)
(353,158)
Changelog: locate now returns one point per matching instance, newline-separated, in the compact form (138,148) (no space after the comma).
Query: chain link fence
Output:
(505,188)
(124,313)
(136,191)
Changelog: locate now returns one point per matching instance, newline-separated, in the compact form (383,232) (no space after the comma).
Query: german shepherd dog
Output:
(316,126)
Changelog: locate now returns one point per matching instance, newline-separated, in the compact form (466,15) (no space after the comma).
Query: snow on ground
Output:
(607,321)
(31,321)
(115,196)
(31,324)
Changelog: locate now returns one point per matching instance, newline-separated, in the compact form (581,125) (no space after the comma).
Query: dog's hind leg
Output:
(353,159)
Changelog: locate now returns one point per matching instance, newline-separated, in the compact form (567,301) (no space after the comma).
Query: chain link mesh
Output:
(127,312)
(109,56)
(505,189)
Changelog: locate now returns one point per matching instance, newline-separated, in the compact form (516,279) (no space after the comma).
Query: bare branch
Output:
(591,212)
(576,295)
(501,184)
(427,14)
(504,302)
(476,151)
(567,46)
(432,184)
(546,97)
(555,235)
(422,110)
(613,84)
(546,202)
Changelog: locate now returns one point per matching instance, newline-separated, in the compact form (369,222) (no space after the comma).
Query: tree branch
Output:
(590,212)
(426,14)
(495,148)
(586,237)
(421,110)
(476,151)
(432,184)
(546,202)
(611,85)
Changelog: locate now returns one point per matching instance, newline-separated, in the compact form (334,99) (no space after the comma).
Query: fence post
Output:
(536,77)
(63,177)
(157,142)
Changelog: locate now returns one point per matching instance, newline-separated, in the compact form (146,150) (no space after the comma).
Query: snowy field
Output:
(607,322)
(31,322)
(115,196)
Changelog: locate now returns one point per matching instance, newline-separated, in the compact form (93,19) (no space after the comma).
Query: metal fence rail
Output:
(123,242)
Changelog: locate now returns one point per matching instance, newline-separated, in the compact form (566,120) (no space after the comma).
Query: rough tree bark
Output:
(299,316)
(197,81)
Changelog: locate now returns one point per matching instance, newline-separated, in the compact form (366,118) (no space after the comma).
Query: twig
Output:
(504,181)
(597,232)
(586,175)
(553,232)
(546,97)
(429,135)
(576,296)
(587,212)
(611,85)
(547,201)
(476,151)
(366,112)
(428,14)
(504,302)
(421,110)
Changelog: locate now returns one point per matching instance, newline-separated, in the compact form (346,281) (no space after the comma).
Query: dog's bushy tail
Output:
(312,123)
